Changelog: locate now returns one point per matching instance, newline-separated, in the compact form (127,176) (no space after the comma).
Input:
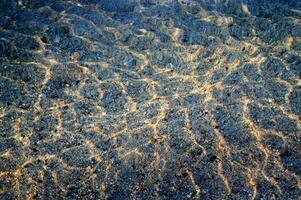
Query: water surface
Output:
(150,99)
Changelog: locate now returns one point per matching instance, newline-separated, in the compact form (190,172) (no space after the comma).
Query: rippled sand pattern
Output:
(150,99)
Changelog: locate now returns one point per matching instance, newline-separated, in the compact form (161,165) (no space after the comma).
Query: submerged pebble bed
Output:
(150,99)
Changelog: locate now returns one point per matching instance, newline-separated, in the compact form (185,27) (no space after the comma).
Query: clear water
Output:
(150,99)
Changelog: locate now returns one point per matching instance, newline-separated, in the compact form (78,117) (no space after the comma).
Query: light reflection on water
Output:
(150,100)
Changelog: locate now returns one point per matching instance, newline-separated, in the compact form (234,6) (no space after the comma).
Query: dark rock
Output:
(165,59)
(113,99)
(117,6)
(291,159)
(230,122)
(266,190)
(10,92)
(273,142)
(109,99)
(190,100)
(9,164)
(30,74)
(78,157)
(104,74)
(130,61)
(272,68)
(255,90)
(27,43)
(85,107)
(277,90)
(271,118)
(138,90)
(249,156)
(63,77)
(90,92)
(227,96)
(241,31)
(295,101)
(217,76)
(6,144)
(233,78)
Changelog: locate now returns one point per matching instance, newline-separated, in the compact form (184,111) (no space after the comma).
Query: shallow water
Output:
(150,99)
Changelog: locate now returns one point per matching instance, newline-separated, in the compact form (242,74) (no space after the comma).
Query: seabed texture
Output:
(150,99)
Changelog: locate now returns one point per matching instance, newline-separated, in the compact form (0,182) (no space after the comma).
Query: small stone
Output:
(76,55)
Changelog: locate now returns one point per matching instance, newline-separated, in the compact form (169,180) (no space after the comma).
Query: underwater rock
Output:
(150,99)
(117,5)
